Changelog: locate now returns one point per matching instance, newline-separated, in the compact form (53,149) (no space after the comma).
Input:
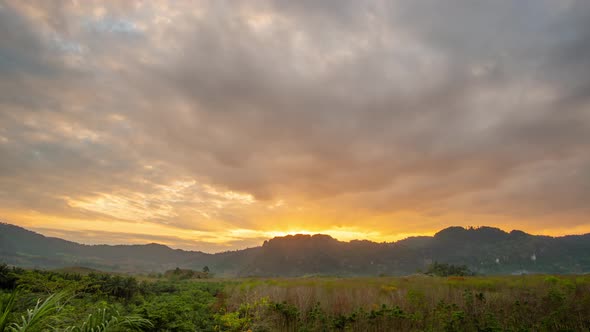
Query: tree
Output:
(7,277)
(446,270)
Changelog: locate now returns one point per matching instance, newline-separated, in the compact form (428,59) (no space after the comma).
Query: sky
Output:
(214,125)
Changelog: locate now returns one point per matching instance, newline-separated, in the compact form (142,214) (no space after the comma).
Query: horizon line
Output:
(467,228)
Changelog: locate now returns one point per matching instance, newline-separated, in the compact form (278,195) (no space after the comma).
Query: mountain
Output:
(22,247)
(486,250)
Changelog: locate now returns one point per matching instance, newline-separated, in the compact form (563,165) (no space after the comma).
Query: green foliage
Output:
(6,305)
(105,320)
(7,277)
(105,302)
(116,286)
(184,274)
(62,311)
(43,312)
(446,270)
(185,307)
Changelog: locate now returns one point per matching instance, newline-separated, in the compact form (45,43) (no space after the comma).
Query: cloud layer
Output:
(220,123)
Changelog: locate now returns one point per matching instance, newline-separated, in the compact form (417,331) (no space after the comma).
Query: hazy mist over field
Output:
(215,125)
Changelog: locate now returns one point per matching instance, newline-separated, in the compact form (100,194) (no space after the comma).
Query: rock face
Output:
(485,250)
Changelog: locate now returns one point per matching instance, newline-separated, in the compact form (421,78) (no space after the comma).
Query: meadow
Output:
(92,301)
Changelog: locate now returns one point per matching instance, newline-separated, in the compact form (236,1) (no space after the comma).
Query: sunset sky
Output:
(214,125)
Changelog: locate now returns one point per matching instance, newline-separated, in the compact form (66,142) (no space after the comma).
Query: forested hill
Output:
(485,250)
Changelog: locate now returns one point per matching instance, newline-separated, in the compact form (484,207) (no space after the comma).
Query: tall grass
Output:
(510,303)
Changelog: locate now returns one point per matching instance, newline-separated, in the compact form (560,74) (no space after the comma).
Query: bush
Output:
(447,270)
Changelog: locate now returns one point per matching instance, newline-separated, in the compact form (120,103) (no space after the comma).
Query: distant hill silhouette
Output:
(486,250)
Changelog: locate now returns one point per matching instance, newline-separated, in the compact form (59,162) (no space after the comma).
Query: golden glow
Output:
(138,232)
(192,215)
(118,222)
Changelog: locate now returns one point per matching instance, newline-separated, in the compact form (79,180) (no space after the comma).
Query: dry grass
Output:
(417,303)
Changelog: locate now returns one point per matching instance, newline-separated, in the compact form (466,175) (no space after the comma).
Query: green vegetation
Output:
(183,274)
(33,300)
(447,270)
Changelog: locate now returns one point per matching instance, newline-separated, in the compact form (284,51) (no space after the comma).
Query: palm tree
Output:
(37,319)
(105,320)
(6,304)
(40,314)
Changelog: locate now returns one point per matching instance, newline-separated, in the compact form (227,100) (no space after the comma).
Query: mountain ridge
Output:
(485,249)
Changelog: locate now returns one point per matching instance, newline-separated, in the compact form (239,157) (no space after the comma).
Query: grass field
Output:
(417,303)
(414,303)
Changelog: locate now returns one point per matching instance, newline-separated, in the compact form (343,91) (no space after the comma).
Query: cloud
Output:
(401,116)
